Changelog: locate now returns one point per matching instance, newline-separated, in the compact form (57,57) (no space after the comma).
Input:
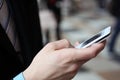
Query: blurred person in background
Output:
(55,7)
(115,11)
(102,3)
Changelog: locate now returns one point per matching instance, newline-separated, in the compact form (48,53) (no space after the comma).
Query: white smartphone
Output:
(99,37)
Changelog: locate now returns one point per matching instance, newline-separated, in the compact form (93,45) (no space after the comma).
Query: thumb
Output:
(56,45)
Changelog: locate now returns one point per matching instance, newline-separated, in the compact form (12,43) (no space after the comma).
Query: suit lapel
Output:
(25,14)
(26,20)
(5,42)
(10,63)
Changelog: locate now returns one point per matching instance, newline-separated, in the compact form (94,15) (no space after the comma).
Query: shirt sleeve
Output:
(19,77)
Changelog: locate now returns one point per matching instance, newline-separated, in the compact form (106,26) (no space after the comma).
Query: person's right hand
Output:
(58,61)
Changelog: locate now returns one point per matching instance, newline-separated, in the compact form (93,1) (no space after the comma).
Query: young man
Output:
(21,41)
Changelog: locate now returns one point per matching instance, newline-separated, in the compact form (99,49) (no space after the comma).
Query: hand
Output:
(58,61)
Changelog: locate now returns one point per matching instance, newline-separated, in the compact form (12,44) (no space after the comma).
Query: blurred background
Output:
(78,20)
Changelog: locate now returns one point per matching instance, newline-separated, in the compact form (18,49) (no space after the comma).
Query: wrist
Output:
(28,75)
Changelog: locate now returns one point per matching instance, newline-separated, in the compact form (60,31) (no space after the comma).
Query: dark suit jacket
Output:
(25,15)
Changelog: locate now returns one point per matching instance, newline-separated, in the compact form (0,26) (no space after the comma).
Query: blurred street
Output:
(80,26)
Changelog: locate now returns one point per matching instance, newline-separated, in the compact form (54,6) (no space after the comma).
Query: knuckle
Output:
(92,54)
(66,41)
(74,68)
(51,45)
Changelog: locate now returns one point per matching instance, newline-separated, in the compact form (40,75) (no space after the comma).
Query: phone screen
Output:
(91,39)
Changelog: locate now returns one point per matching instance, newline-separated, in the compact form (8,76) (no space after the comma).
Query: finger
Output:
(57,45)
(90,52)
(100,46)
(83,54)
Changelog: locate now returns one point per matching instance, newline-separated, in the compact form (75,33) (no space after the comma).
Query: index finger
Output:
(90,52)
(84,53)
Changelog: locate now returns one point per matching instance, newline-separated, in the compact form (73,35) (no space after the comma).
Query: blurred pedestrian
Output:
(101,3)
(115,11)
(55,7)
